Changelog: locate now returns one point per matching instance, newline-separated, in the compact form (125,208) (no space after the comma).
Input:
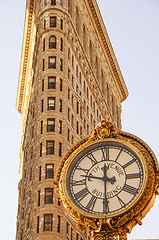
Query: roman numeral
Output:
(105,206)
(130,189)
(121,202)
(133,175)
(129,163)
(77,183)
(91,203)
(105,154)
(92,158)
(118,156)
(81,194)
(82,169)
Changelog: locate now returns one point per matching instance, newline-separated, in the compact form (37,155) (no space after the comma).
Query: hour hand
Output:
(91,176)
(112,180)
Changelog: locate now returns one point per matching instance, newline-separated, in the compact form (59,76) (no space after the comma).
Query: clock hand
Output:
(105,201)
(105,178)
(91,176)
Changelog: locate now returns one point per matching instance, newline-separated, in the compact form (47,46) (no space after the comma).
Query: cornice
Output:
(26,53)
(108,47)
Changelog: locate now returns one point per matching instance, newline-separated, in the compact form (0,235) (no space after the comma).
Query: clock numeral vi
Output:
(81,194)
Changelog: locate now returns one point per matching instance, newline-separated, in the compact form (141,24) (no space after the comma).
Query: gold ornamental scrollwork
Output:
(111,228)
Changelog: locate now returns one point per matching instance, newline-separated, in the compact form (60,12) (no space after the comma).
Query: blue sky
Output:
(133,28)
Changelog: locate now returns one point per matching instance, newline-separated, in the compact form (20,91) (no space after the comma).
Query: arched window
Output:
(43,44)
(77,19)
(84,36)
(96,67)
(102,81)
(52,42)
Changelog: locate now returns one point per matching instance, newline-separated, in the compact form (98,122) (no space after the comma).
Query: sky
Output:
(133,28)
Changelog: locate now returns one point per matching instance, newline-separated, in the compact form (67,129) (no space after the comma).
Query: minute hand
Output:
(89,176)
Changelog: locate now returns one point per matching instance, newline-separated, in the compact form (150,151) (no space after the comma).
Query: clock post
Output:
(108,182)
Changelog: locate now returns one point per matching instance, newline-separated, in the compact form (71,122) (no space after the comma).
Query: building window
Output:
(43,64)
(60,105)
(76,70)
(37,224)
(60,149)
(52,42)
(58,223)
(52,22)
(53,2)
(40,173)
(39,198)
(61,84)
(51,125)
(49,171)
(51,82)
(77,236)
(69,73)
(60,127)
(68,93)
(51,103)
(48,222)
(77,107)
(44,23)
(52,62)
(41,149)
(72,121)
(68,114)
(50,147)
(61,65)
(72,141)
(77,127)
(48,195)
(43,44)
(61,44)
(42,127)
(42,105)
(42,85)
(69,53)
(61,25)
(67,228)
(71,234)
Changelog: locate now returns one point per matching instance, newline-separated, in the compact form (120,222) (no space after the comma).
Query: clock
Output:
(108,181)
(106,178)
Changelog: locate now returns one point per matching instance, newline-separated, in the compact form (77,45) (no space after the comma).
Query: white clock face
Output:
(105,178)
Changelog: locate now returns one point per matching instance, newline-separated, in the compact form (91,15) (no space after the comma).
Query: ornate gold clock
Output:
(108,181)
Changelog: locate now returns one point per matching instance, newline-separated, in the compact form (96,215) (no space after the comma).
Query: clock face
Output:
(106,178)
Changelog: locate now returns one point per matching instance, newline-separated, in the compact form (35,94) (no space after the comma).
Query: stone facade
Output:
(69,80)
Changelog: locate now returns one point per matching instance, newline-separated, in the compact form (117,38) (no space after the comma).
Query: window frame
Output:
(48,222)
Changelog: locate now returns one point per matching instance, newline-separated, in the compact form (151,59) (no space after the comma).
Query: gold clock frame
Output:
(103,227)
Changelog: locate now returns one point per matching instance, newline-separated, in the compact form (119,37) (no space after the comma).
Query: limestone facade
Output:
(69,80)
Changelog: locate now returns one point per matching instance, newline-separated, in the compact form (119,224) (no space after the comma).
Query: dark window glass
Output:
(58,223)
(67,228)
(42,105)
(53,2)
(61,65)
(60,126)
(43,64)
(40,173)
(49,171)
(37,224)
(48,222)
(61,44)
(61,85)
(77,127)
(52,62)
(44,44)
(61,26)
(60,149)
(50,147)
(71,234)
(52,22)
(51,103)
(51,125)
(39,198)
(48,195)
(44,23)
(42,85)
(59,202)
(52,42)
(42,127)
(51,82)
(60,105)
(41,148)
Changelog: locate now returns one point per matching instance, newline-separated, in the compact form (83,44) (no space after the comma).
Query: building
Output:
(69,80)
